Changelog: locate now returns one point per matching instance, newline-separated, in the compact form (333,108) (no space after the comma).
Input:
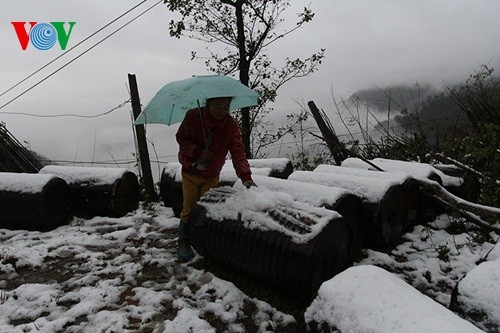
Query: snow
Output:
(23,182)
(173,169)
(399,176)
(366,297)
(479,290)
(103,284)
(88,175)
(122,274)
(415,169)
(278,164)
(495,253)
(368,188)
(228,174)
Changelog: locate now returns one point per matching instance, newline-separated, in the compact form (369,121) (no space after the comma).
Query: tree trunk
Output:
(244,69)
(141,141)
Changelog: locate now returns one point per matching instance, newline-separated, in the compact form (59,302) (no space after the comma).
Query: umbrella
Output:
(171,102)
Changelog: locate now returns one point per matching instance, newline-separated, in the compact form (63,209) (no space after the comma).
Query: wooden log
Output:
(280,167)
(294,246)
(110,192)
(343,201)
(33,201)
(411,186)
(171,187)
(385,204)
(416,171)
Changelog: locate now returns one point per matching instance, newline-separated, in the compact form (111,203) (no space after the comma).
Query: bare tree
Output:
(246,29)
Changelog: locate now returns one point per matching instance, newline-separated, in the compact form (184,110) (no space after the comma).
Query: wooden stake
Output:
(141,141)
(331,139)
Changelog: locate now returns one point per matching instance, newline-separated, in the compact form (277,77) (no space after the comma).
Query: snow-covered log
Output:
(280,167)
(462,184)
(171,187)
(366,299)
(343,201)
(33,201)
(410,184)
(272,237)
(435,187)
(476,296)
(171,179)
(99,191)
(385,203)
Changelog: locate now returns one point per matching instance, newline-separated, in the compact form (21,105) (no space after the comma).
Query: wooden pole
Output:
(141,141)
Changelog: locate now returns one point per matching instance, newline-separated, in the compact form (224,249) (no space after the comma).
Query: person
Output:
(202,154)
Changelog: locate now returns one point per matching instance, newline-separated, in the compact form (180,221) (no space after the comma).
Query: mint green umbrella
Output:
(171,102)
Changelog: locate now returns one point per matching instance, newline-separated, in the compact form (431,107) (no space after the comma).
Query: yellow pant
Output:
(193,187)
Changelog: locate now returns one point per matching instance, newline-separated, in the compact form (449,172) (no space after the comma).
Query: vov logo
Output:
(43,36)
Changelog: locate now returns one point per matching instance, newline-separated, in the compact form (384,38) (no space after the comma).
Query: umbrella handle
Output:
(202,124)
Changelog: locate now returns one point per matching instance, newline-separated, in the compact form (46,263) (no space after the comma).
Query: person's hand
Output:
(249,183)
(207,155)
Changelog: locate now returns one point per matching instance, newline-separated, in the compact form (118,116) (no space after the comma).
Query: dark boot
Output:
(184,250)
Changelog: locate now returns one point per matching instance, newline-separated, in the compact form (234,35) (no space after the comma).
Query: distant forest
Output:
(415,106)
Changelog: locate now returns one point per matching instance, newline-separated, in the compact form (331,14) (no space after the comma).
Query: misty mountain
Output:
(395,97)
(415,107)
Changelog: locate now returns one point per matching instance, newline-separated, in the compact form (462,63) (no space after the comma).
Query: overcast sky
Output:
(368,42)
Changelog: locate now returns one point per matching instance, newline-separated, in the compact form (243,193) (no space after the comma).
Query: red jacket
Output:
(224,136)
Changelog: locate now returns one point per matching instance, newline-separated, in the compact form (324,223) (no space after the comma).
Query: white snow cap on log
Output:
(314,194)
(401,177)
(88,175)
(479,290)
(24,182)
(415,169)
(370,189)
(278,164)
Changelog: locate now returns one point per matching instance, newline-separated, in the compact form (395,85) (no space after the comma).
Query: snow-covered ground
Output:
(122,275)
